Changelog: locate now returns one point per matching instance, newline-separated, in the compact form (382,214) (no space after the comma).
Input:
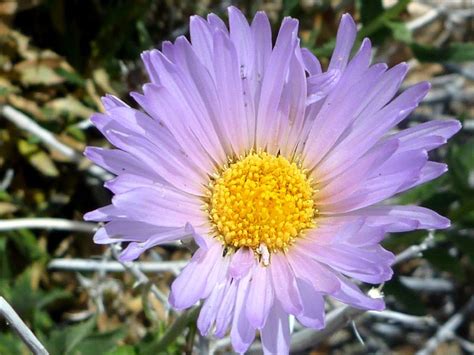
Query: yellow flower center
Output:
(261,201)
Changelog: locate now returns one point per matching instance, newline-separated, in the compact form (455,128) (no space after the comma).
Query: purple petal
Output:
(309,270)
(226,309)
(345,38)
(351,295)
(103,214)
(135,249)
(276,332)
(111,101)
(284,284)
(117,161)
(311,63)
(242,262)
(261,297)
(159,206)
(313,306)
(428,135)
(242,333)
(229,86)
(201,38)
(209,310)
(127,182)
(192,282)
(272,85)
(403,218)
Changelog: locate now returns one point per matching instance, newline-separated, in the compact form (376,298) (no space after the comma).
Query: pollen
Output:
(261,200)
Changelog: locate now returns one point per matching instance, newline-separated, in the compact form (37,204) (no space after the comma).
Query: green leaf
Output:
(289,6)
(383,19)
(410,300)
(77,333)
(123,350)
(100,343)
(11,344)
(400,31)
(461,166)
(454,52)
(369,10)
(440,258)
(63,341)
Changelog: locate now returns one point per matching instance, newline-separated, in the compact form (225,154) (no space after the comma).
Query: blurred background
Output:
(58,57)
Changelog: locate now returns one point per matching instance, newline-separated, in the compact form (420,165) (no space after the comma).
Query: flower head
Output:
(276,168)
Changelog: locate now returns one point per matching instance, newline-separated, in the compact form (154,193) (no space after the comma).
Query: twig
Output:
(26,123)
(115,266)
(427,284)
(424,321)
(426,19)
(141,278)
(20,327)
(446,331)
(7,179)
(415,250)
(47,223)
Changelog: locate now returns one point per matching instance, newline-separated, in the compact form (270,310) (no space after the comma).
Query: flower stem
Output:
(175,330)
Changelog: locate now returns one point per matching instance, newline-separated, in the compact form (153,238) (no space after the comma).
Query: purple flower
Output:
(277,170)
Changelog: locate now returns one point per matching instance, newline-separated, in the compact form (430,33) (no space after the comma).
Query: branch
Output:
(20,327)
(24,122)
(426,19)
(115,266)
(415,250)
(446,331)
(47,223)
(140,276)
(424,321)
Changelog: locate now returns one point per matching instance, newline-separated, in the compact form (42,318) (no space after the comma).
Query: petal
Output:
(226,309)
(351,295)
(242,333)
(428,135)
(117,161)
(345,38)
(159,206)
(272,85)
(135,249)
(398,218)
(191,284)
(210,308)
(284,284)
(276,332)
(261,295)
(321,278)
(229,86)
(311,63)
(242,262)
(313,306)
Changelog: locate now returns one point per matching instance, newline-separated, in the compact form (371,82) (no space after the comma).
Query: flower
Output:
(276,168)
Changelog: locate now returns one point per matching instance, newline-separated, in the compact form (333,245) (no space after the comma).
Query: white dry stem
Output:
(115,266)
(415,250)
(20,327)
(141,278)
(408,319)
(24,122)
(447,330)
(47,223)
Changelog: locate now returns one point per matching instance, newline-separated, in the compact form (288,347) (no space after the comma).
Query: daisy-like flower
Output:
(276,168)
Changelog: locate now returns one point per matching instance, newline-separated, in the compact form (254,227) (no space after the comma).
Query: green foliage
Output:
(454,52)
